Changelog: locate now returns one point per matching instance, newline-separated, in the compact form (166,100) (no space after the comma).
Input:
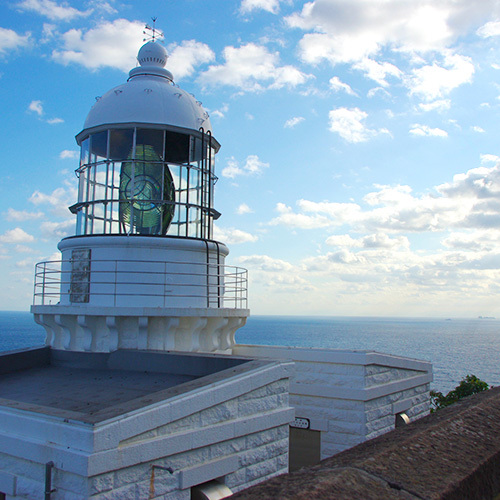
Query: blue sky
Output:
(359,171)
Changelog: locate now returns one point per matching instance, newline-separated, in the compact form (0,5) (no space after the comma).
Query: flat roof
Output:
(93,387)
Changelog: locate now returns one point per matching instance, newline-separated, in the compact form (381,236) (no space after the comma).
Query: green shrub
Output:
(468,386)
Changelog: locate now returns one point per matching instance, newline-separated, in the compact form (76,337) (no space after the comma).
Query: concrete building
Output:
(141,391)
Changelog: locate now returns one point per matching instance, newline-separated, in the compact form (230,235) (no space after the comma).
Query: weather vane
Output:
(152,34)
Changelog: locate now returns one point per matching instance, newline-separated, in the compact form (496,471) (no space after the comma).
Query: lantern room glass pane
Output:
(153,138)
(177,147)
(120,144)
(84,152)
(99,146)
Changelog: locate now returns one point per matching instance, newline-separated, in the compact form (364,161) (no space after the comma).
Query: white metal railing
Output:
(142,283)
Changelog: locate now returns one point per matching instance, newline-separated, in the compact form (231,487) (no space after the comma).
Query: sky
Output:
(359,173)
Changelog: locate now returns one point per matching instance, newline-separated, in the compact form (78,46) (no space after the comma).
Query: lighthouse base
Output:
(107,329)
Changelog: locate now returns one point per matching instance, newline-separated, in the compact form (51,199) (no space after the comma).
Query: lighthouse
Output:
(140,390)
(143,270)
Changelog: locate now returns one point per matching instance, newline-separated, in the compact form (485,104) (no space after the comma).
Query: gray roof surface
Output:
(94,387)
(83,391)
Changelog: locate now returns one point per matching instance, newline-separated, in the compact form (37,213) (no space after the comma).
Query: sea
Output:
(455,347)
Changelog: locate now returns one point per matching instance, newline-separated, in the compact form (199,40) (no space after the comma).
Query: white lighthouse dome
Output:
(149,96)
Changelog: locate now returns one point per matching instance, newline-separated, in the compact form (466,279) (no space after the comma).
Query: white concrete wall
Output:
(130,271)
(350,396)
(236,429)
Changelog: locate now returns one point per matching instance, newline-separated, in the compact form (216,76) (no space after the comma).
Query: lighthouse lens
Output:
(147,192)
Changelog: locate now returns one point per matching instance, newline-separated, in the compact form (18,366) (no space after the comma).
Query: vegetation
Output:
(468,386)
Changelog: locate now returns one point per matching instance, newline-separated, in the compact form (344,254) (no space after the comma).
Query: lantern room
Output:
(147,155)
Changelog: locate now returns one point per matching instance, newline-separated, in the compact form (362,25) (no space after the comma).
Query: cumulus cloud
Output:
(185,57)
(470,201)
(373,241)
(267,5)
(10,40)
(57,230)
(489,29)
(292,122)
(36,107)
(252,166)
(22,215)
(266,263)
(487,158)
(338,86)
(244,209)
(426,131)
(349,123)
(233,236)
(251,68)
(70,154)
(59,200)
(55,121)
(109,44)
(435,81)
(438,105)
(52,10)
(378,72)
(16,235)
(346,31)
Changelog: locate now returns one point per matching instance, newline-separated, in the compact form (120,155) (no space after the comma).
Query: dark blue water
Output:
(455,347)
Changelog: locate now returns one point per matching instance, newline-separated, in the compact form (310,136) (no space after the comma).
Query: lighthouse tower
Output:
(143,270)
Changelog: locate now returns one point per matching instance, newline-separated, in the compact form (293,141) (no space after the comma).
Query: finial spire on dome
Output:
(152,33)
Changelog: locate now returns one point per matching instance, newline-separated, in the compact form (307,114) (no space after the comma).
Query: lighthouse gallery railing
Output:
(135,282)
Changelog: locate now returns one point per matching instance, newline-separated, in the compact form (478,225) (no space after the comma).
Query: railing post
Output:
(43,283)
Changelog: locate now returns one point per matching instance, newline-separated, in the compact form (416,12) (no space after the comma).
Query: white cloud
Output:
(16,235)
(244,209)
(22,215)
(438,105)
(24,249)
(252,68)
(266,263)
(487,158)
(477,129)
(10,40)
(233,236)
(221,112)
(57,230)
(433,81)
(469,201)
(267,5)
(252,166)
(346,31)
(109,44)
(287,217)
(426,131)
(60,199)
(184,57)
(292,122)
(54,121)
(52,10)
(69,154)
(36,107)
(489,29)
(371,241)
(338,86)
(378,71)
(349,124)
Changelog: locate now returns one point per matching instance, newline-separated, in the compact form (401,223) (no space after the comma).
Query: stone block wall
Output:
(350,396)
(234,430)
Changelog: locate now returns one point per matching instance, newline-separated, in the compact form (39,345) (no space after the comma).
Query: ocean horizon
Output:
(455,347)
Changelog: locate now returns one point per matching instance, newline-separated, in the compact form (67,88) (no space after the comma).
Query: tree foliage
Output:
(468,386)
